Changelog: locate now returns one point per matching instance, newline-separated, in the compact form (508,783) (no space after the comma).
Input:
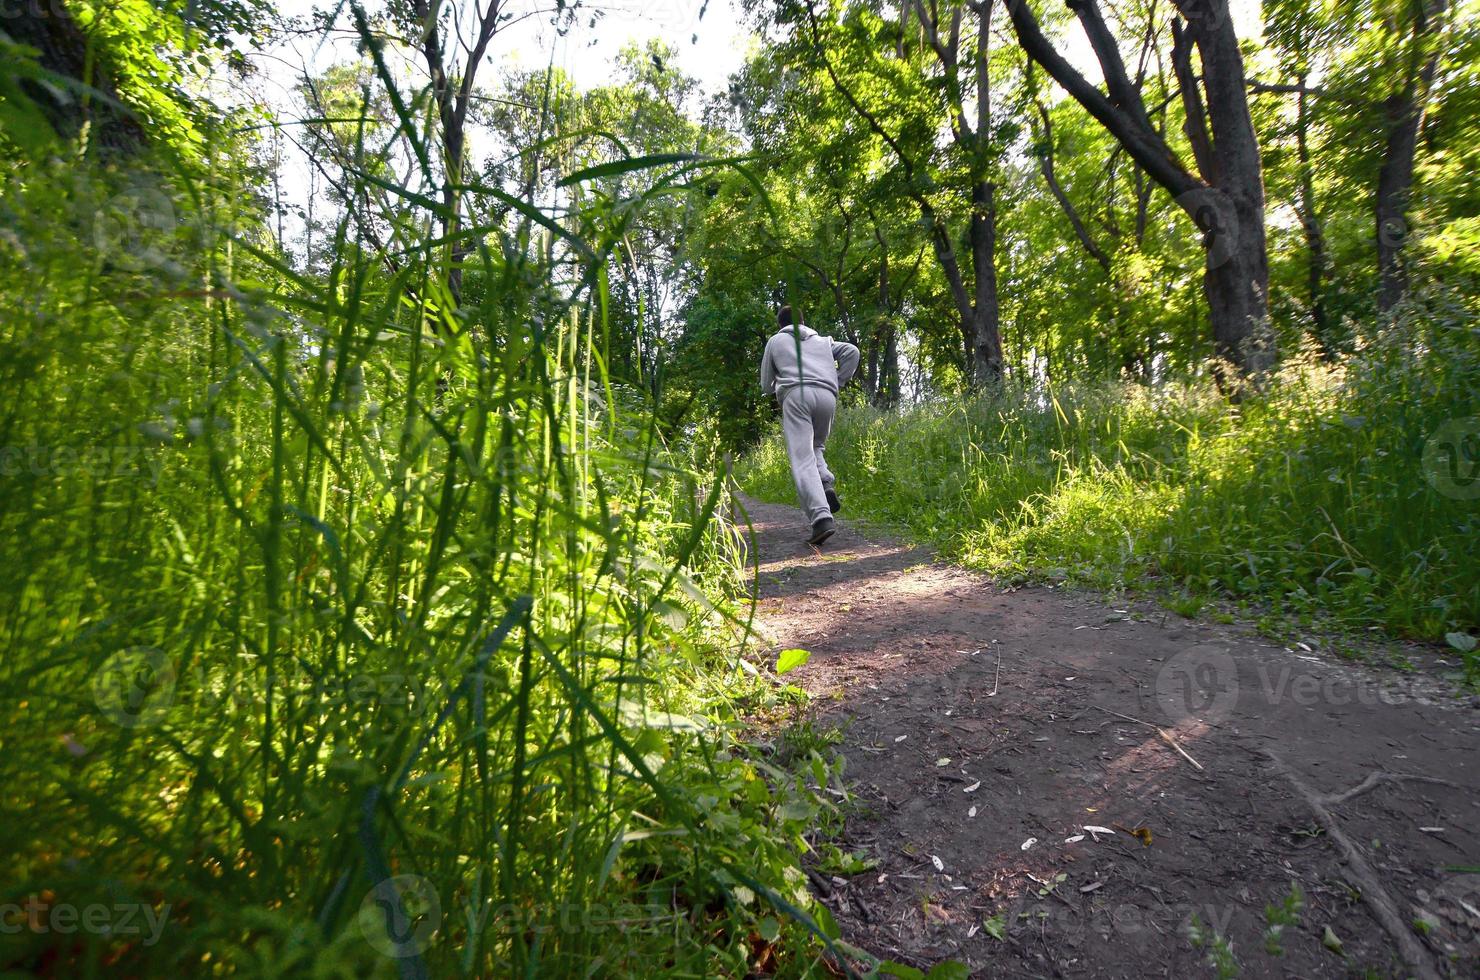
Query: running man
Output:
(804,370)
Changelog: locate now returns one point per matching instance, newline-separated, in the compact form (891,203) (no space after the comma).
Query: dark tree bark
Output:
(1315,236)
(1225,196)
(888,393)
(63,50)
(986,313)
(1404,112)
(986,334)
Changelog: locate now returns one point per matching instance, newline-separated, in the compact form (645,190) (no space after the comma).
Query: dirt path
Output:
(969,800)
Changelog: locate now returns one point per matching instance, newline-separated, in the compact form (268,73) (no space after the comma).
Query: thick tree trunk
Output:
(1226,197)
(1236,277)
(1394,187)
(985,332)
(63,48)
(1236,286)
(1239,311)
(1404,111)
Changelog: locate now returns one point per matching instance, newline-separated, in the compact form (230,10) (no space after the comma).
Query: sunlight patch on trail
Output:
(795,561)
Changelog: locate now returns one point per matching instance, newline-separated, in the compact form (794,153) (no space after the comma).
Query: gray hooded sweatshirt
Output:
(825,362)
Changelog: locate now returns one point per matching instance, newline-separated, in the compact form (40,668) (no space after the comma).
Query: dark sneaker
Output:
(822,529)
(834,502)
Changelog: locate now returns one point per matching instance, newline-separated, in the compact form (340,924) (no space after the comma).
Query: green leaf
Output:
(892,969)
(671,613)
(623,166)
(949,970)
(1463,642)
(825,922)
(611,854)
(996,927)
(790,660)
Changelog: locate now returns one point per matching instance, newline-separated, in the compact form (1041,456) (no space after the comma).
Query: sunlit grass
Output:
(1315,497)
(354,631)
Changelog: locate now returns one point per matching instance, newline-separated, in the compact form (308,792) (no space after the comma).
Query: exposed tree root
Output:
(1414,953)
(1377,778)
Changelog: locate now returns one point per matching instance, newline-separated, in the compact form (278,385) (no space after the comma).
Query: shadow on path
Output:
(987,728)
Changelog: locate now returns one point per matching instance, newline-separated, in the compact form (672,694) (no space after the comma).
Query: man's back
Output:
(824,362)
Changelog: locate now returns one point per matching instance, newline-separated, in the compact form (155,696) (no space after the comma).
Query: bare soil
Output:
(986,728)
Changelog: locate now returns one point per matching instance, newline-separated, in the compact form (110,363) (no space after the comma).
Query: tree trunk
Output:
(1310,222)
(1239,311)
(986,355)
(881,325)
(1394,186)
(64,48)
(1236,264)
(871,372)
(1404,112)
(986,337)
(1225,198)
(888,393)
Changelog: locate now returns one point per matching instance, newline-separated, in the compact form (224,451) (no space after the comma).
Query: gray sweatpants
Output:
(806,418)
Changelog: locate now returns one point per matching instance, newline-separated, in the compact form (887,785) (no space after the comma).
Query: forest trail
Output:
(953,781)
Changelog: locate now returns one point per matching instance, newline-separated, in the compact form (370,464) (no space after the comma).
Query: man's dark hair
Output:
(783,316)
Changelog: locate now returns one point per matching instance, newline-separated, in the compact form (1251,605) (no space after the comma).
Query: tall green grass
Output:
(1328,495)
(351,632)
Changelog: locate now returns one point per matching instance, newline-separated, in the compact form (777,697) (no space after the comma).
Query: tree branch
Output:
(1045,165)
(1107,51)
(1140,140)
(1194,122)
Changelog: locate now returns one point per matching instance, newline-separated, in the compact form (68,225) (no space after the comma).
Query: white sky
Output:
(709,49)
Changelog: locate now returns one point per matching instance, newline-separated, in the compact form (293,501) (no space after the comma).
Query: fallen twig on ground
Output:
(1166,735)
